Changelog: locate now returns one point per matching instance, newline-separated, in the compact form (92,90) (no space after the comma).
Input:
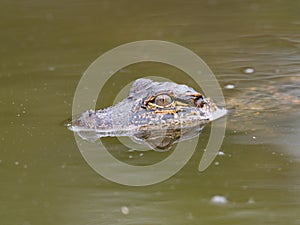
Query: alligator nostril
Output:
(199,101)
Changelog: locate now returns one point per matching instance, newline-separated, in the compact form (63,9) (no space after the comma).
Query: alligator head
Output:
(155,113)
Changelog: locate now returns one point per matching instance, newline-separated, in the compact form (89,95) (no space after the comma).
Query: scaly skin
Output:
(152,110)
(139,111)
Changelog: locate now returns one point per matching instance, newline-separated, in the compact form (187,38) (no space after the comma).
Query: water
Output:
(47,45)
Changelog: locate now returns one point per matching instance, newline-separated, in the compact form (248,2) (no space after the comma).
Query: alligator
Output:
(161,114)
(156,113)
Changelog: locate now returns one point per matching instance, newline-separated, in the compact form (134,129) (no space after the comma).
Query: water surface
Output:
(47,45)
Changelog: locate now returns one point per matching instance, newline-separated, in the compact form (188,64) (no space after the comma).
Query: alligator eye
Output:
(163,100)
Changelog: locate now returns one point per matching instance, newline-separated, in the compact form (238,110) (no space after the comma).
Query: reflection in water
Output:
(158,114)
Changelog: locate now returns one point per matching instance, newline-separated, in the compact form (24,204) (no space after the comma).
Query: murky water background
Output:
(47,45)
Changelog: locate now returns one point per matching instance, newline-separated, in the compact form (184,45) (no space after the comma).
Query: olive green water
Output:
(47,45)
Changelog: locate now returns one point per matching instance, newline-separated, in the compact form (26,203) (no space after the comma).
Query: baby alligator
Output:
(156,113)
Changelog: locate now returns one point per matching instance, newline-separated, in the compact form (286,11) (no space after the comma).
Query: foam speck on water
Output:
(249,70)
(229,86)
(125,210)
(218,199)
